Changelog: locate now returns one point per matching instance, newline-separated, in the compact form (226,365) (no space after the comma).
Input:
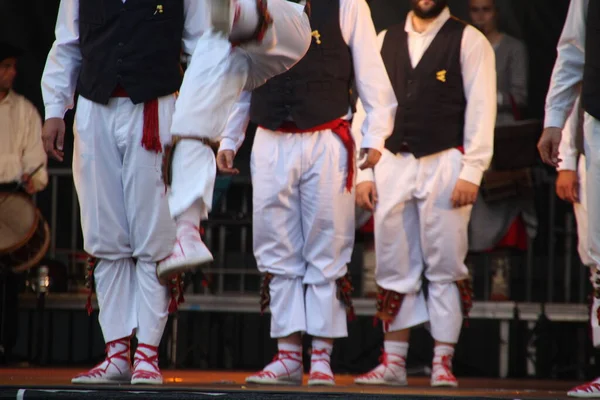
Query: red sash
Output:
(150,138)
(339,127)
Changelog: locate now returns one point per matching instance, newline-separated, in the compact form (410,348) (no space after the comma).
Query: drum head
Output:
(18,221)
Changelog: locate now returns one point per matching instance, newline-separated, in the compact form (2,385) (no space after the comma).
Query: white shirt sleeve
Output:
(235,131)
(373,84)
(479,78)
(364,175)
(196,21)
(568,69)
(59,79)
(567,148)
(33,153)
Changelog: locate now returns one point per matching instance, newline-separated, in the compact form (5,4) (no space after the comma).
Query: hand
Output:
(567,186)
(225,162)
(373,157)
(27,184)
(366,195)
(53,134)
(464,193)
(548,145)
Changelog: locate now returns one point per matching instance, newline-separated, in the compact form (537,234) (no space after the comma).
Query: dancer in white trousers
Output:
(423,188)
(123,57)
(578,63)
(571,186)
(302,166)
(219,73)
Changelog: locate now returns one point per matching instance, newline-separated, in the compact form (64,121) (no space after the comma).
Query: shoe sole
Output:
(385,383)
(146,382)
(444,384)
(99,381)
(188,265)
(320,382)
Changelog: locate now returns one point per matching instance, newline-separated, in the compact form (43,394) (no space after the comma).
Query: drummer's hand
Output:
(464,193)
(373,157)
(225,162)
(548,145)
(53,136)
(27,183)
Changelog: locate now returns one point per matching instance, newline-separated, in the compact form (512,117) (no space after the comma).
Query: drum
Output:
(24,233)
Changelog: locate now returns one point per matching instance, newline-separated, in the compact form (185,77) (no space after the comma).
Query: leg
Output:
(445,245)
(152,230)
(278,240)
(399,265)
(590,190)
(97,168)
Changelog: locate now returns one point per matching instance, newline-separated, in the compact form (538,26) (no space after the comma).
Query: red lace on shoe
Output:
(152,360)
(590,387)
(98,371)
(279,357)
(315,359)
(384,360)
(446,364)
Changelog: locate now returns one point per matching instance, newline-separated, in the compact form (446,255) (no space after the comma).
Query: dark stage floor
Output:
(33,383)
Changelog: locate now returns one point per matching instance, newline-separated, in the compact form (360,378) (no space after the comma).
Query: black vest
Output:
(590,95)
(431,100)
(136,45)
(318,88)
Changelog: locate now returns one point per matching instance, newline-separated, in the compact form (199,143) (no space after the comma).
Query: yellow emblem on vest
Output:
(441,75)
(317,36)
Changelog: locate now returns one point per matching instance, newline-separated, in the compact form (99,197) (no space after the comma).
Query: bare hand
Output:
(27,184)
(464,193)
(225,162)
(53,136)
(548,145)
(366,195)
(373,157)
(567,186)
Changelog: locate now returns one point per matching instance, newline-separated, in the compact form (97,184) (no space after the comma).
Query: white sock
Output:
(146,358)
(395,349)
(442,357)
(190,217)
(289,360)
(119,354)
(321,357)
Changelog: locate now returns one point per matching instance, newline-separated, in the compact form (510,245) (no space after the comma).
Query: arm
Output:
(374,87)
(479,77)
(235,131)
(196,21)
(60,74)
(567,148)
(518,77)
(358,122)
(33,151)
(568,69)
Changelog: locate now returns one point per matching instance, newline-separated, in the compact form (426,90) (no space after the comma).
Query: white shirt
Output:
(373,85)
(478,64)
(60,75)
(567,149)
(568,69)
(21,149)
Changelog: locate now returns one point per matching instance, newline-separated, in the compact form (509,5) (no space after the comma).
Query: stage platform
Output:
(34,383)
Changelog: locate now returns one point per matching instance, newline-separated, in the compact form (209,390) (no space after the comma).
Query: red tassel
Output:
(151,137)
(88,304)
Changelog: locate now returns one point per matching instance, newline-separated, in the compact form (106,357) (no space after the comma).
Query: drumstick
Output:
(35,171)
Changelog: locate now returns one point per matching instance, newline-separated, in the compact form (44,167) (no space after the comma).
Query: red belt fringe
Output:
(339,127)
(151,137)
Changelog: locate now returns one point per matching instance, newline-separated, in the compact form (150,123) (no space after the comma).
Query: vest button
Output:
(119,61)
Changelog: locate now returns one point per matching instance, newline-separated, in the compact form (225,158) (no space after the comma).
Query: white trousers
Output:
(212,85)
(124,213)
(303,228)
(591,183)
(416,230)
(581,215)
